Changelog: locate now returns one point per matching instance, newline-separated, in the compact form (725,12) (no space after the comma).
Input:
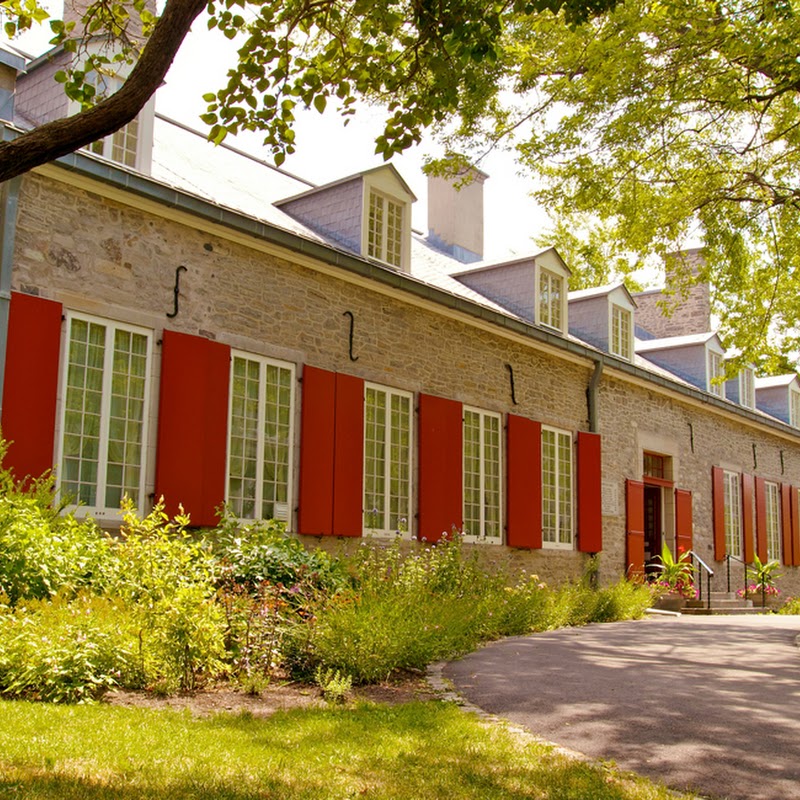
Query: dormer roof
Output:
(773,381)
(675,342)
(357,176)
(599,291)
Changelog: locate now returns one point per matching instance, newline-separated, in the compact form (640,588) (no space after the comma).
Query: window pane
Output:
(259,438)
(387,460)
(104,414)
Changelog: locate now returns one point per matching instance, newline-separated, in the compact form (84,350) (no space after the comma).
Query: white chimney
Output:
(455,215)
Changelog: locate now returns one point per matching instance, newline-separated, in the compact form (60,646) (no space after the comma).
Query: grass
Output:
(417,751)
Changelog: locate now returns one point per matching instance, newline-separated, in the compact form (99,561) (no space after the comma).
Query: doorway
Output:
(653,527)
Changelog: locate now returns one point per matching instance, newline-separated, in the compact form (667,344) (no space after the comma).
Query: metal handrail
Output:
(709,576)
(728,558)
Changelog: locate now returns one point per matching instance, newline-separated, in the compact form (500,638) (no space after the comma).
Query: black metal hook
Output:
(691,435)
(511,378)
(352,326)
(177,290)
(783,466)
(755,456)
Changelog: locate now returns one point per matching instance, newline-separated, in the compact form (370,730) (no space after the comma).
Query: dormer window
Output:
(385,229)
(747,388)
(794,408)
(715,371)
(551,299)
(132,144)
(621,329)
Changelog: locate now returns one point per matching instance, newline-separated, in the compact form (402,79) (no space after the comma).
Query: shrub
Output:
(182,639)
(791,606)
(262,552)
(67,649)
(155,558)
(44,553)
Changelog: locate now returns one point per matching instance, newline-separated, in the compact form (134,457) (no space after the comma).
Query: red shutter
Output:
(440,467)
(761,520)
(718,504)
(193,425)
(315,515)
(31,384)
(747,517)
(634,540)
(786,523)
(683,521)
(348,459)
(795,526)
(590,493)
(524,497)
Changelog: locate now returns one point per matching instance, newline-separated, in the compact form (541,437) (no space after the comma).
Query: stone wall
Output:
(101,257)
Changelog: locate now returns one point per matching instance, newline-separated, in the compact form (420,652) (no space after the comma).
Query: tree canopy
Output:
(660,124)
(651,125)
(425,59)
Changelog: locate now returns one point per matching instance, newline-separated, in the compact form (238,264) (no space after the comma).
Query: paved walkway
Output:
(710,704)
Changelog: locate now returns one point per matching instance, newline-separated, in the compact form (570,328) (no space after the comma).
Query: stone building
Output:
(190,322)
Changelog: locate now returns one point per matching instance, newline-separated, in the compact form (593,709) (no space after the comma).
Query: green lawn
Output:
(417,751)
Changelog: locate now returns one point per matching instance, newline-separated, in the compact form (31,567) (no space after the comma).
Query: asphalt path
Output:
(708,704)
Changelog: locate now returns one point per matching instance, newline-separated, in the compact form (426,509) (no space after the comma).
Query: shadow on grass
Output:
(418,751)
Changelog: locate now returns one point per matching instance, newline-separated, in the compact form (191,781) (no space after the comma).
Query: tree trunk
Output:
(62,136)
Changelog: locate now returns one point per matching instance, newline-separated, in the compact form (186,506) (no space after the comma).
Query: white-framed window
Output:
(260,437)
(716,370)
(772,500)
(105,390)
(621,340)
(794,408)
(747,388)
(557,523)
(551,299)
(733,513)
(482,481)
(388,419)
(122,146)
(385,222)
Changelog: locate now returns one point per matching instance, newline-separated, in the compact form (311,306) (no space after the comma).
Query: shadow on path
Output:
(711,705)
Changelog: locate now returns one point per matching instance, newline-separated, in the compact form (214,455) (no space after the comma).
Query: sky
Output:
(328,150)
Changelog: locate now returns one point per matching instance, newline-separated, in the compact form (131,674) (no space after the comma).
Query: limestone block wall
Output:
(101,257)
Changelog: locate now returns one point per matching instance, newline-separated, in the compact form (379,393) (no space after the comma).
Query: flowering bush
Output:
(755,589)
(685,588)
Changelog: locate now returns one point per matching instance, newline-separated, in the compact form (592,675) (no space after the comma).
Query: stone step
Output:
(720,603)
(723,611)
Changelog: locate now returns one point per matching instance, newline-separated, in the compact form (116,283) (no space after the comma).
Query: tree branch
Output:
(62,136)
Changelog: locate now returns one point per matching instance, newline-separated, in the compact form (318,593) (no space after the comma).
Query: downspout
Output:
(592,394)
(9,203)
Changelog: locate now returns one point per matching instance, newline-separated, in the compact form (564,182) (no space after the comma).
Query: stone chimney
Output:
(10,66)
(688,311)
(455,215)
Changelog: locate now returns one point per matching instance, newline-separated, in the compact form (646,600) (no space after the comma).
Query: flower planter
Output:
(670,601)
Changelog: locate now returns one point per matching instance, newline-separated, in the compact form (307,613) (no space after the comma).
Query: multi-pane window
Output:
(715,370)
(260,436)
(385,229)
(773,514)
(733,513)
(121,146)
(747,389)
(551,294)
(657,466)
(387,460)
(621,332)
(794,408)
(482,474)
(105,391)
(556,488)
